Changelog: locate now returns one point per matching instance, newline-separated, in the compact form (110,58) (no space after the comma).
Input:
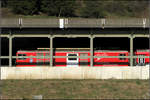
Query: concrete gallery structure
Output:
(73,28)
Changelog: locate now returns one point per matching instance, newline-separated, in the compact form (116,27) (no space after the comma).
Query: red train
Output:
(36,60)
(142,61)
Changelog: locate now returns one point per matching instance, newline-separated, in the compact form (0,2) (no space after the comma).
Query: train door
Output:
(72,62)
(141,61)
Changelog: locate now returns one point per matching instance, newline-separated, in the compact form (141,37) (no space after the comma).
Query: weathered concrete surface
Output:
(138,72)
(74,22)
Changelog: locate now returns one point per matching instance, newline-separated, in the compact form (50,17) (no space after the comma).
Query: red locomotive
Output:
(35,57)
(142,61)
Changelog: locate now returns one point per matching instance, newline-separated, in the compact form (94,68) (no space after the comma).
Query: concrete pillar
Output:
(91,51)
(10,51)
(0,47)
(131,50)
(0,31)
(51,51)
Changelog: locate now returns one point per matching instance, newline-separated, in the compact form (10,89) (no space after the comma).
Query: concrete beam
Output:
(4,57)
(2,35)
(74,23)
(75,36)
(30,35)
(141,35)
(71,36)
(111,35)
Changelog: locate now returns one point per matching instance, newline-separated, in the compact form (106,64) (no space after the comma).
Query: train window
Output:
(83,54)
(40,55)
(72,55)
(122,55)
(24,54)
(47,54)
(21,55)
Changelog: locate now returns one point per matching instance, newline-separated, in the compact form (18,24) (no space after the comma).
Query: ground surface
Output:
(75,89)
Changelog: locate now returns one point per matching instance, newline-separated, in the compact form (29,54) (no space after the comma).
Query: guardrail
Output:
(5,57)
(81,57)
(74,22)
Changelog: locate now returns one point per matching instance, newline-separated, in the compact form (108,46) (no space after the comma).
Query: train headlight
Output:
(31,60)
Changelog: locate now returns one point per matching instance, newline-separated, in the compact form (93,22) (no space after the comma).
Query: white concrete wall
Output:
(139,72)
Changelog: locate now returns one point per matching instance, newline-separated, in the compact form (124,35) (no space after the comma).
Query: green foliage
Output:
(4,3)
(93,9)
(59,8)
(25,7)
(79,8)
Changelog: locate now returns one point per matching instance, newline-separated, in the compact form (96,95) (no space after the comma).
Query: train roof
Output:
(63,48)
(78,49)
(70,50)
(143,50)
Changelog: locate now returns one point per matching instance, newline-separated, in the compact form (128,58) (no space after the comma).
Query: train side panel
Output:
(84,59)
(36,59)
(23,62)
(111,61)
(60,61)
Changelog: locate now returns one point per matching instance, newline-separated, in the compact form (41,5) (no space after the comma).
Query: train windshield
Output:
(22,56)
(72,55)
(122,55)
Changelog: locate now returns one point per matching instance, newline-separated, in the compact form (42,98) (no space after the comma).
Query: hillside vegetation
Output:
(75,89)
(76,8)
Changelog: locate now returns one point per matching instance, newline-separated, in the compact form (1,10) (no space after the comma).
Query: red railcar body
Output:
(36,60)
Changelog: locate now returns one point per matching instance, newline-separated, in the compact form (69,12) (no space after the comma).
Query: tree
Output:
(59,8)
(25,7)
(4,3)
(92,9)
(79,8)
